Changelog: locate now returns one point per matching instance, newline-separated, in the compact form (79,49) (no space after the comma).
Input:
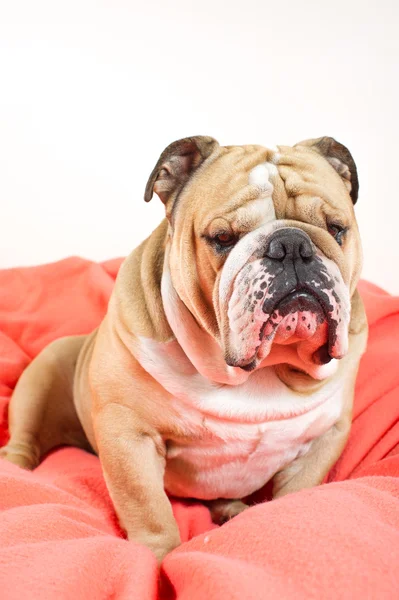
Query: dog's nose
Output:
(290,243)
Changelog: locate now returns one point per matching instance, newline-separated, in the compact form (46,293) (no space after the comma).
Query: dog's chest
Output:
(224,457)
(230,461)
(227,441)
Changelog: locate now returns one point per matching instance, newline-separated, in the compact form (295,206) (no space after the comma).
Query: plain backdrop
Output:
(91,93)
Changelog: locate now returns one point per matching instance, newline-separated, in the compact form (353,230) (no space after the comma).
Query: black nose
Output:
(290,243)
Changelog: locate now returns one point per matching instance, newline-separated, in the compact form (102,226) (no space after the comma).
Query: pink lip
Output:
(294,305)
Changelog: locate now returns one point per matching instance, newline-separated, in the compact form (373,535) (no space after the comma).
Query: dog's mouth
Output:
(300,300)
(298,313)
(303,315)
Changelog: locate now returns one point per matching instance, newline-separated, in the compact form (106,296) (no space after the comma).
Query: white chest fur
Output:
(235,437)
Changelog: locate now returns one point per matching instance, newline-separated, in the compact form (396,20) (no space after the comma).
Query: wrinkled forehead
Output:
(235,175)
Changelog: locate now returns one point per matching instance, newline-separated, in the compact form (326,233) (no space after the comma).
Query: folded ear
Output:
(176,165)
(340,158)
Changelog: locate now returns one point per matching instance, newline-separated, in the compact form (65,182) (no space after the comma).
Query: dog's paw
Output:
(21,455)
(160,544)
(224,510)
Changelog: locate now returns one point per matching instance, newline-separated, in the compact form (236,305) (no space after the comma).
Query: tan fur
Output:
(92,392)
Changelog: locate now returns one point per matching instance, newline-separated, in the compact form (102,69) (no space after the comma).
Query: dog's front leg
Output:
(133,462)
(309,470)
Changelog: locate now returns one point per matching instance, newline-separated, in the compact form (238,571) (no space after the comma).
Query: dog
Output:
(229,352)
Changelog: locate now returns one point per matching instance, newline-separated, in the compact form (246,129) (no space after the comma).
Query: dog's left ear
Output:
(340,158)
(176,165)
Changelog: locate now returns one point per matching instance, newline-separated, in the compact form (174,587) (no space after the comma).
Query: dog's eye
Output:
(225,239)
(338,232)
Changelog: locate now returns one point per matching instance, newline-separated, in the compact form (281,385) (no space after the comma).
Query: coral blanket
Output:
(58,534)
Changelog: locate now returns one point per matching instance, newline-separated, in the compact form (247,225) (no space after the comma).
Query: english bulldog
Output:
(229,352)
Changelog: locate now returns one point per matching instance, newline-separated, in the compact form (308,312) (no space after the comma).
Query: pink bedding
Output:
(58,533)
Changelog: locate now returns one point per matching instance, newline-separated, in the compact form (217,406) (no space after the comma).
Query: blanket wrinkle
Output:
(59,535)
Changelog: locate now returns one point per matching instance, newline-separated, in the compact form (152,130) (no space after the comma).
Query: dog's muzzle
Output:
(287,292)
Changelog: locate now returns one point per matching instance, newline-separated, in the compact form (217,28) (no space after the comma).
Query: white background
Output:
(91,93)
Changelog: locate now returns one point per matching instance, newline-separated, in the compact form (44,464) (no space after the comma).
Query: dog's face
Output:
(263,246)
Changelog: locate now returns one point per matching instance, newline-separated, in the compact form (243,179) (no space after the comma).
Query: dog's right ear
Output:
(176,165)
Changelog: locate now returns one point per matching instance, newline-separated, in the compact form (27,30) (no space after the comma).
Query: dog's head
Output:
(263,247)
